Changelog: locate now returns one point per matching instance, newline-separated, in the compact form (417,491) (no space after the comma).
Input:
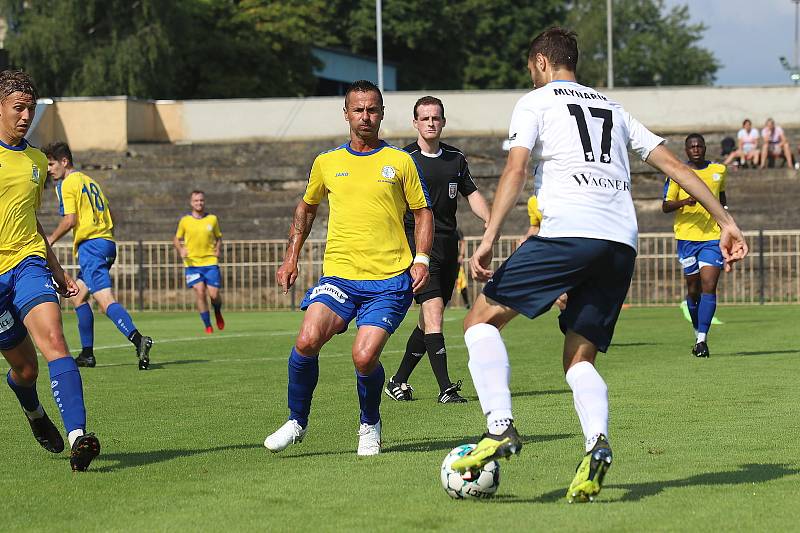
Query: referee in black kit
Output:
(446,174)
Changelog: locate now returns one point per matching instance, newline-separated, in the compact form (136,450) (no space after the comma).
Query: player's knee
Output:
(309,341)
(53,343)
(26,374)
(364,361)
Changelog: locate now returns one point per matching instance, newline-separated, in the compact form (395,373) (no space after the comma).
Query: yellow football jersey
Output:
(368,194)
(199,235)
(23,170)
(693,222)
(80,195)
(533,211)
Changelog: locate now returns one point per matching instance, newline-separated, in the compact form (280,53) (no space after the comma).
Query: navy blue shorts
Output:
(95,257)
(22,288)
(382,303)
(694,255)
(594,273)
(209,275)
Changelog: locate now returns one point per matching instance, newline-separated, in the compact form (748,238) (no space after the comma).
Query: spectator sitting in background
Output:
(775,144)
(747,151)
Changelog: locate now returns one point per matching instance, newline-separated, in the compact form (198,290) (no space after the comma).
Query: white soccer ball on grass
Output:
(482,484)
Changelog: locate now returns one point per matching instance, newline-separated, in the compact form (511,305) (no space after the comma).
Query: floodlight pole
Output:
(610,42)
(379,39)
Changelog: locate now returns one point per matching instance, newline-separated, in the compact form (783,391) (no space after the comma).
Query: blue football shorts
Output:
(209,275)
(594,273)
(22,288)
(95,257)
(694,255)
(382,303)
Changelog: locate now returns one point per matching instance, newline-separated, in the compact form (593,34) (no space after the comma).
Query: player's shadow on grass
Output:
(137,459)
(162,364)
(747,474)
(452,442)
(523,393)
(766,352)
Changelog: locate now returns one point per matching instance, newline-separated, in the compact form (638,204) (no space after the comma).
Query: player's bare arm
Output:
(423,240)
(65,285)
(668,206)
(67,223)
(731,241)
(511,183)
(479,206)
(217,247)
(304,216)
(178,244)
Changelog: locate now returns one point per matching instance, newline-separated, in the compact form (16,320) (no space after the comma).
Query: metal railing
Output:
(148,275)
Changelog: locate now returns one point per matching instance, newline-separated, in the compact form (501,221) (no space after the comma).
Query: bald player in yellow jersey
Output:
(199,241)
(368,271)
(85,210)
(698,239)
(30,276)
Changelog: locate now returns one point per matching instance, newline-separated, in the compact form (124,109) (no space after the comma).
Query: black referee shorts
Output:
(595,274)
(443,269)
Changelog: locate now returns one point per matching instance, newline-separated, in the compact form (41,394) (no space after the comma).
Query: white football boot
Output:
(369,439)
(289,433)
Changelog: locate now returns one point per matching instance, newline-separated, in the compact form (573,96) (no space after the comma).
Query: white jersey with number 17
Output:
(579,140)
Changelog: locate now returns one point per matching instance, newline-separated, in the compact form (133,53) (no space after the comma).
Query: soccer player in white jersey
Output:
(586,247)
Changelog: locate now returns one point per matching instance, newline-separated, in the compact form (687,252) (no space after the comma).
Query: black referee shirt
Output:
(445,175)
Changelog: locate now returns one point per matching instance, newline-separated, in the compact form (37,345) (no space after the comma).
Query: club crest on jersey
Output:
(388,171)
(716,177)
(35,174)
(452,189)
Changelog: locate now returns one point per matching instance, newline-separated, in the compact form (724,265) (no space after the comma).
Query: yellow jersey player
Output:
(199,241)
(368,272)
(29,306)
(535,217)
(698,239)
(85,210)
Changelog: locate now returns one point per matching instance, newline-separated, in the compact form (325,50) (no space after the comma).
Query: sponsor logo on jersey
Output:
(342,174)
(35,174)
(331,290)
(452,189)
(589,180)
(6,321)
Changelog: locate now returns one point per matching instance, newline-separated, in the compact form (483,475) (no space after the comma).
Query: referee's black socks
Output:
(437,353)
(415,349)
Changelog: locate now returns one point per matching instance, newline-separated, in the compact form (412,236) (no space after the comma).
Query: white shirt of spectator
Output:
(749,140)
(582,181)
(774,136)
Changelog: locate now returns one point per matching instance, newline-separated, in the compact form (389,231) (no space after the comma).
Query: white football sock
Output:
(701,337)
(488,365)
(590,395)
(73,436)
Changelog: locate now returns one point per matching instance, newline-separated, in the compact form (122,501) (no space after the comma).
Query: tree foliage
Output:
(255,48)
(652,46)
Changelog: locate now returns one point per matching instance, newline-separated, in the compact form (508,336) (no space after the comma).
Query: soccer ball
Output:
(483,484)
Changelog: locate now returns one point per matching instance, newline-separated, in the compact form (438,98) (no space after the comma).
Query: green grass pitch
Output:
(698,444)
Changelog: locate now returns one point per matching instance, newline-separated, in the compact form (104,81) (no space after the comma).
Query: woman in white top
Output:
(775,144)
(747,150)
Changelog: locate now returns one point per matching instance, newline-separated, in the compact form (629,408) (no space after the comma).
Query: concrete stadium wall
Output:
(111,123)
